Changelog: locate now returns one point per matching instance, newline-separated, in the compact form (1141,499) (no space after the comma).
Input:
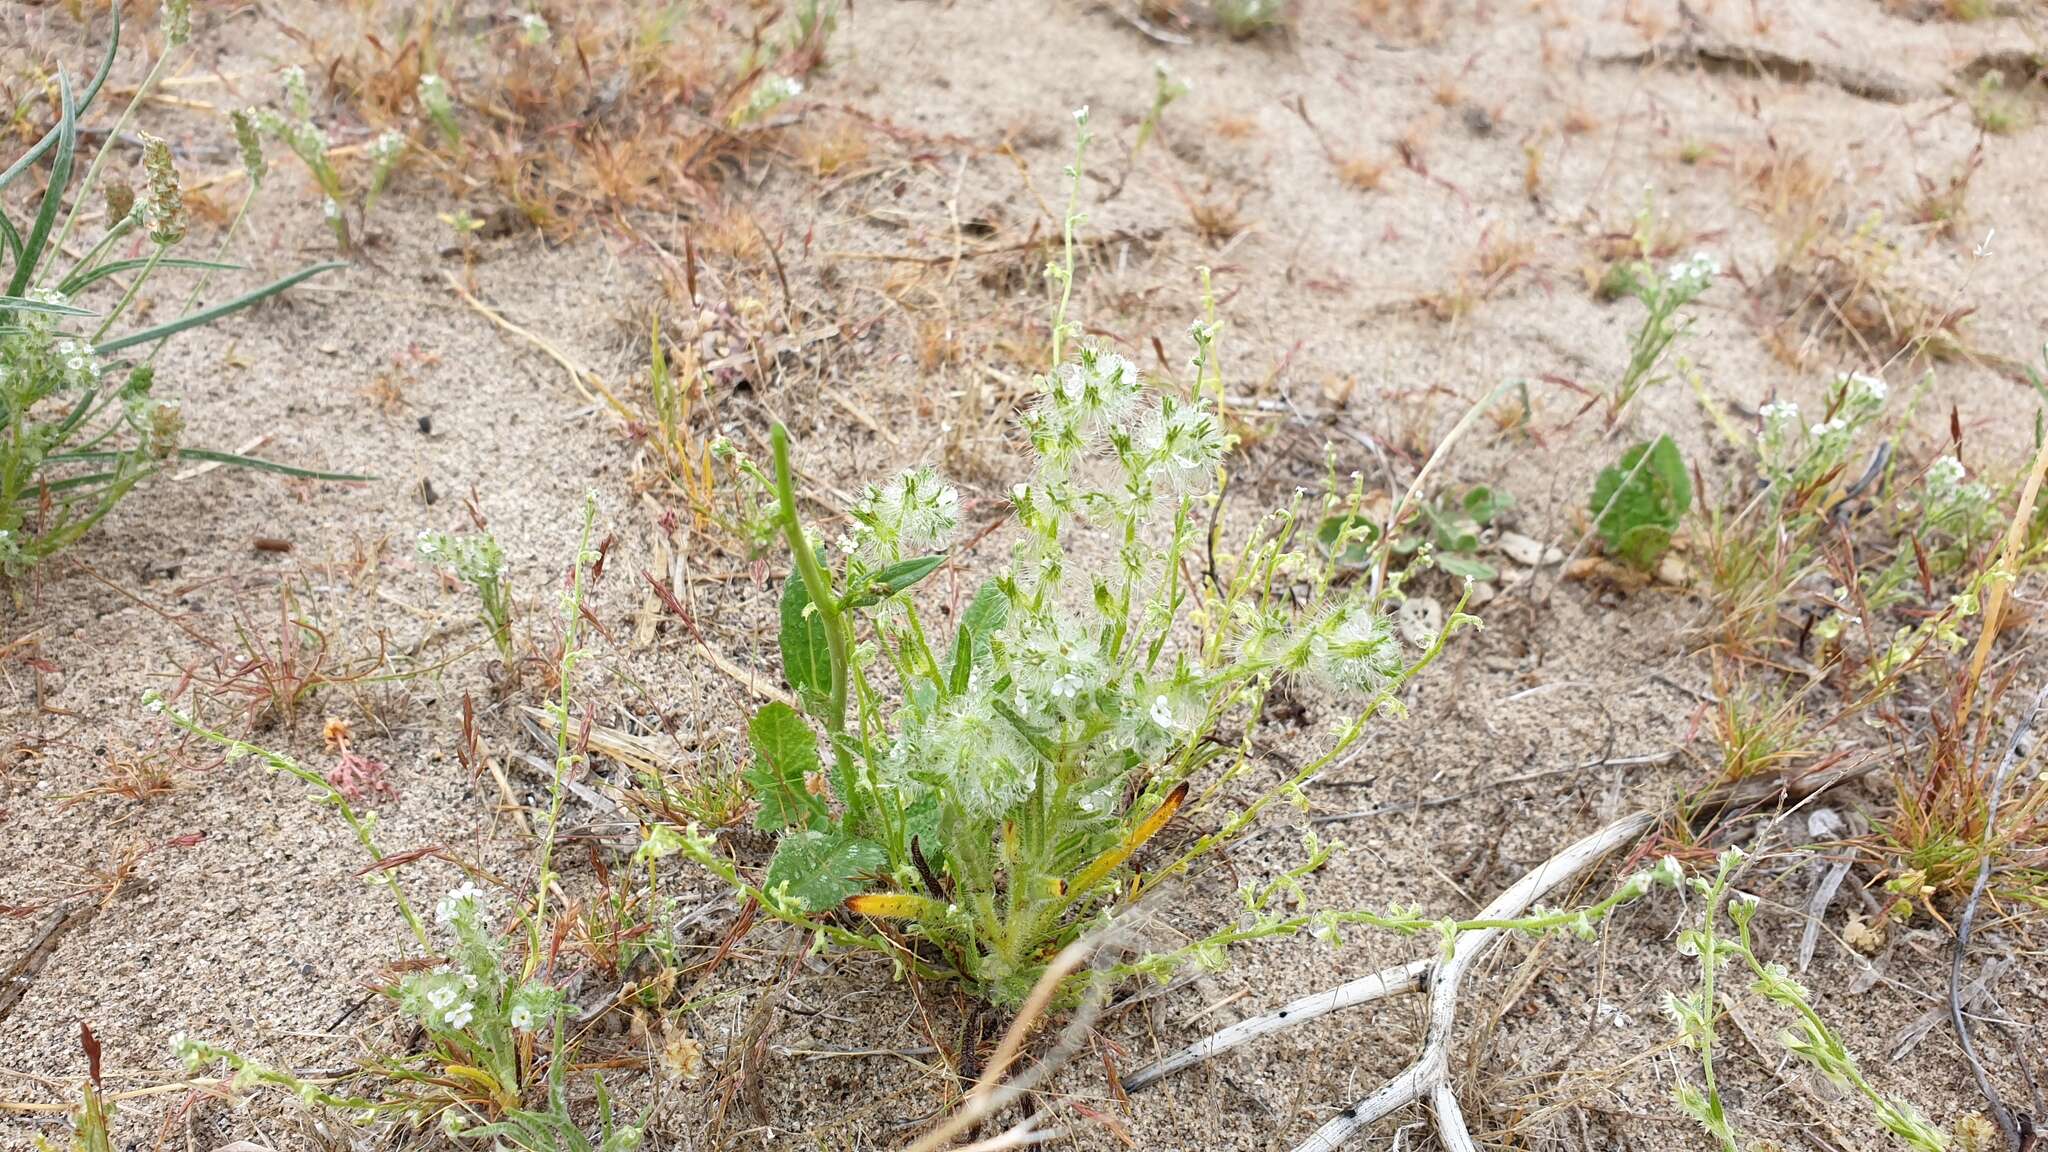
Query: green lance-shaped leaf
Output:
(806,652)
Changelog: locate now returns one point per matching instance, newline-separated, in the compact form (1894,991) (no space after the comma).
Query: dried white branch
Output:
(1428,1078)
(1410,977)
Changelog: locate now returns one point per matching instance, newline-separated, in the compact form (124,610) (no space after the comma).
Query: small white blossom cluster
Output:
(298,99)
(1953,508)
(1065,676)
(472,994)
(37,362)
(914,514)
(433,95)
(770,93)
(1796,454)
(475,556)
(386,148)
(1691,276)
(534,30)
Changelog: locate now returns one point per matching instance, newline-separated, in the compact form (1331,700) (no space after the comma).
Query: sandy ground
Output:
(241,917)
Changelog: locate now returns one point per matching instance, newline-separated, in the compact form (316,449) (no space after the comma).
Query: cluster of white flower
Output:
(472,992)
(1182,442)
(36,362)
(1078,404)
(446,998)
(1692,275)
(465,901)
(1944,475)
(475,556)
(966,747)
(534,30)
(433,95)
(1795,455)
(1354,649)
(1957,511)
(386,148)
(914,514)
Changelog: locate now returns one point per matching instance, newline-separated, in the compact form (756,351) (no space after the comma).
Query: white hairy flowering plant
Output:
(479,562)
(495,1065)
(81,423)
(987,791)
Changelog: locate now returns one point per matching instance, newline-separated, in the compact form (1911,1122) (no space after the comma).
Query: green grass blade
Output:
(84,280)
(10,237)
(209,315)
(92,90)
(70,482)
(23,304)
(238,460)
(53,196)
(234,459)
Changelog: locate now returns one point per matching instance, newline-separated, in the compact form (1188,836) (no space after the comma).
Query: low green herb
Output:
(479,562)
(1639,502)
(1809,1039)
(988,792)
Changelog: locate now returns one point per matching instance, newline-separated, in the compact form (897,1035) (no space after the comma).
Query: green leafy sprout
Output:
(479,562)
(1640,501)
(1809,1039)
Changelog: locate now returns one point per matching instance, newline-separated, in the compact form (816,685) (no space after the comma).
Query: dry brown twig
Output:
(1428,1078)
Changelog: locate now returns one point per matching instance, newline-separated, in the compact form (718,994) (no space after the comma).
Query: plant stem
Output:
(819,585)
(113,138)
(1059,317)
(127,297)
(571,616)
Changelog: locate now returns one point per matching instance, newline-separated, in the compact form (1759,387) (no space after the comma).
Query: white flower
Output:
(1944,474)
(465,899)
(1693,274)
(522,1018)
(913,514)
(1183,441)
(1864,387)
(441,997)
(460,1015)
(386,147)
(1668,872)
(1162,713)
(533,29)
(1352,648)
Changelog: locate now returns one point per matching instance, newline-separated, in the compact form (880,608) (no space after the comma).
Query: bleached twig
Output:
(1410,977)
(1428,1077)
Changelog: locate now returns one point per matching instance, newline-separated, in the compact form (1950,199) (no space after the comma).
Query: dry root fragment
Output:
(1428,1078)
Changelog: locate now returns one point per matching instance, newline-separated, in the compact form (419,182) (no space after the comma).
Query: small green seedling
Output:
(1809,1039)
(440,108)
(90,1120)
(1449,529)
(1639,502)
